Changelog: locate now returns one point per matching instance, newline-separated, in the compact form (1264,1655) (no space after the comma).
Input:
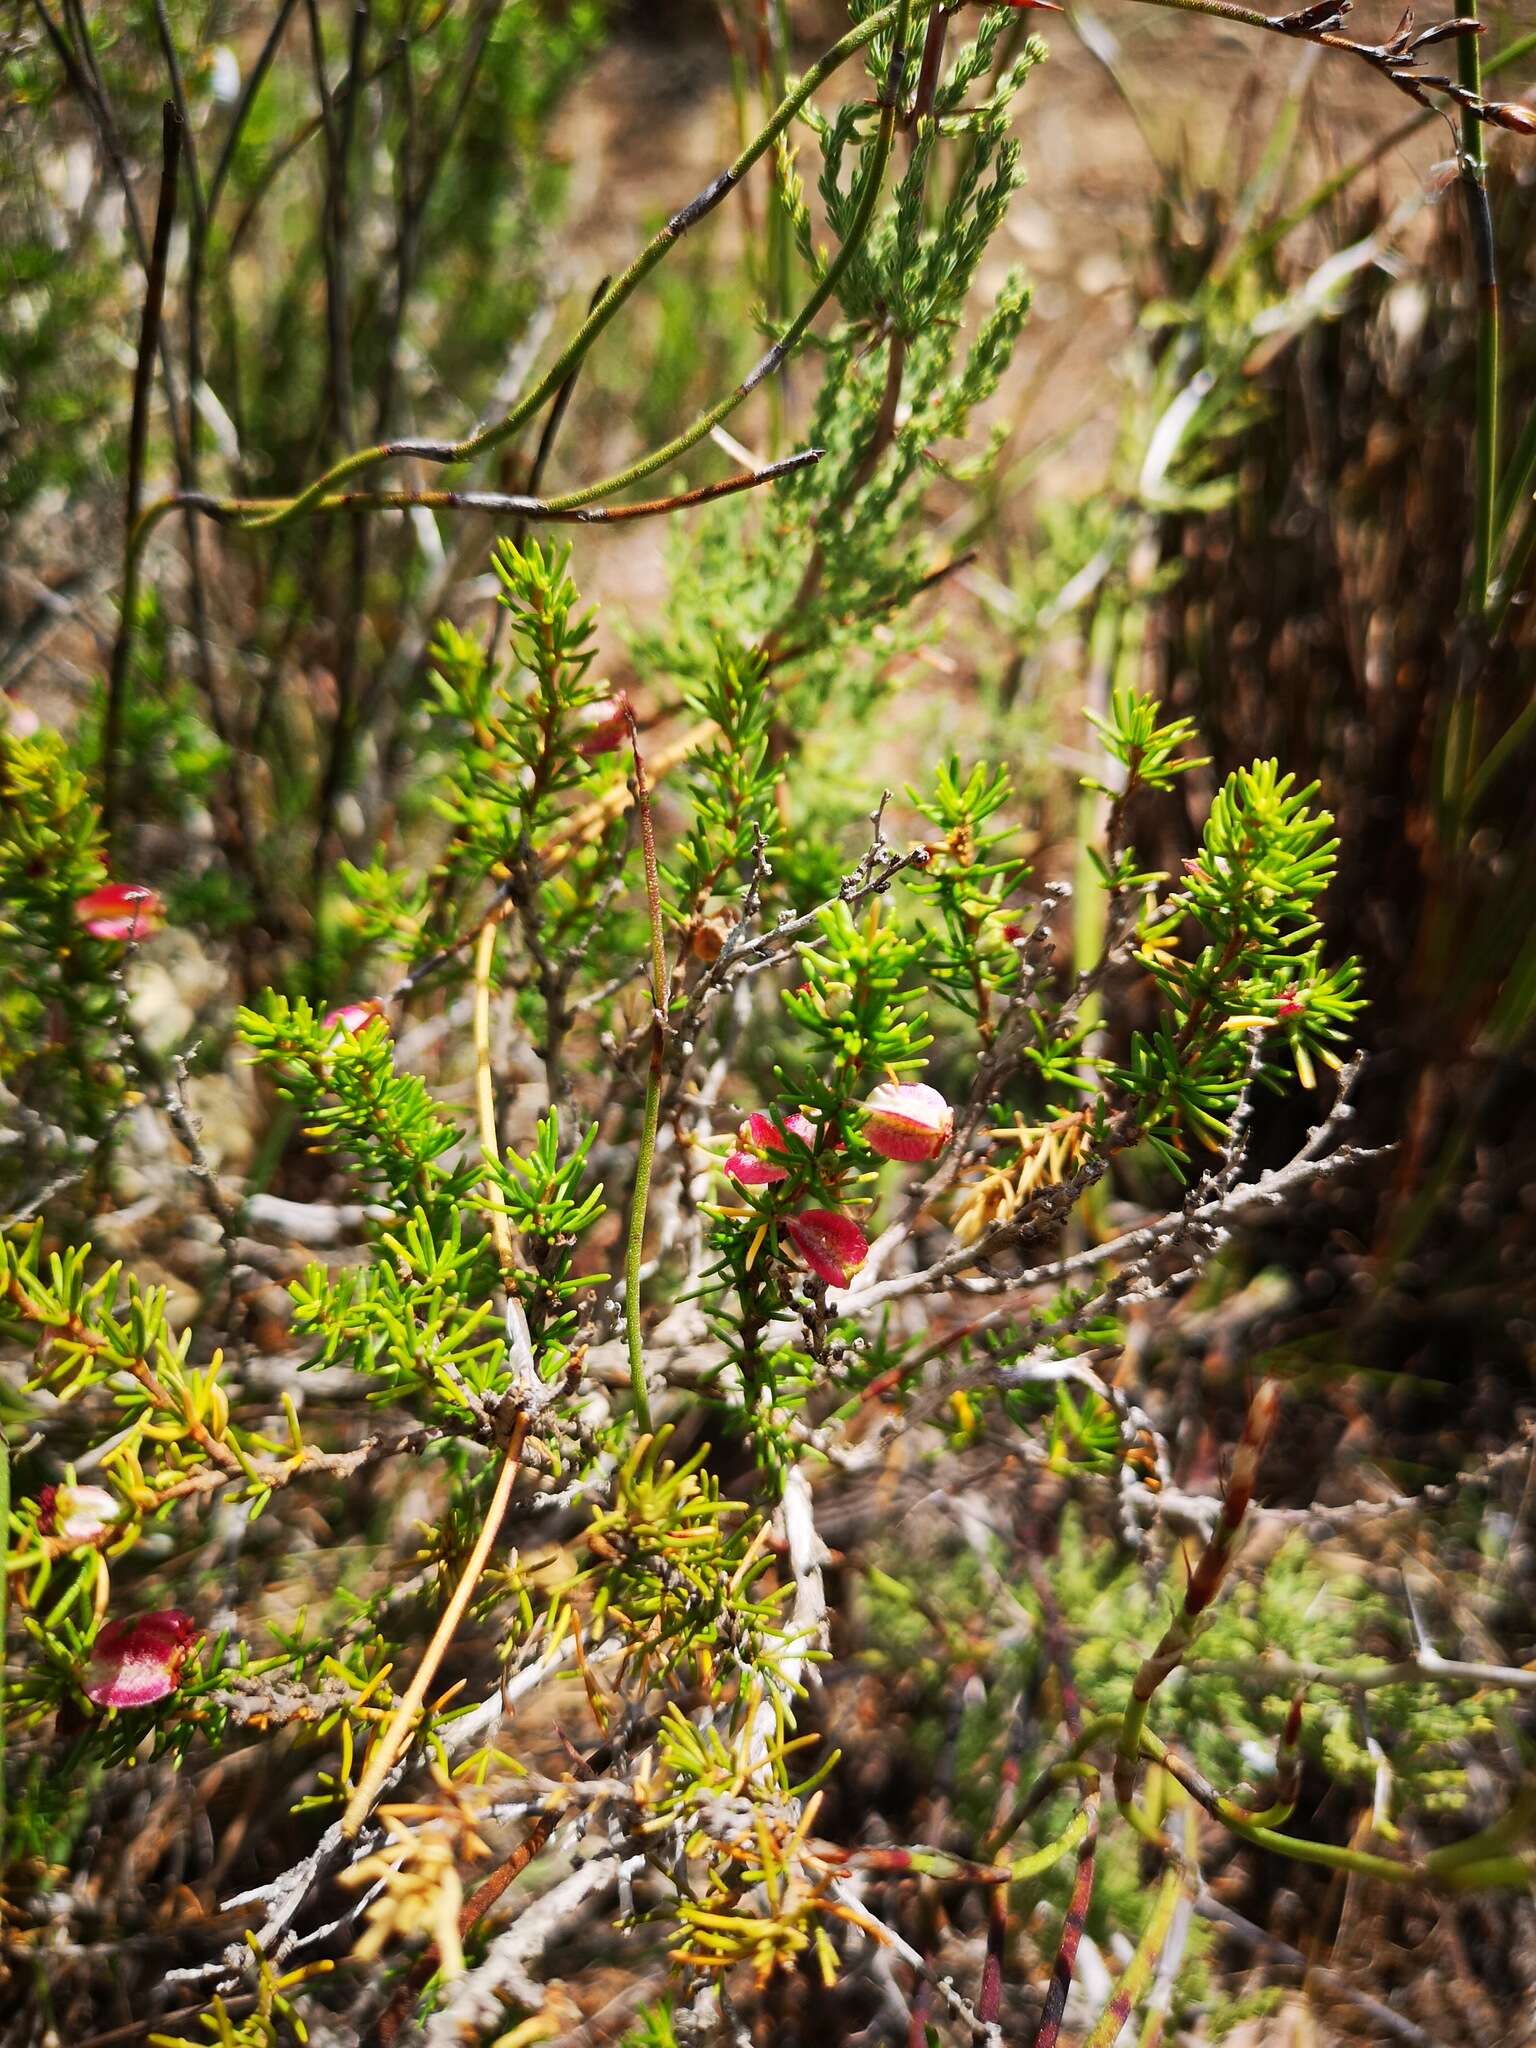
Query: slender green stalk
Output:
(1331,1855)
(1160,1998)
(1516,1825)
(1515,490)
(651,1114)
(1090,900)
(1516,561)
(938,1863)
(1072,1836)
(1217,1805)
(1488,1854)
(1498,1873)
(1491,1859)
(1459,748)
(1514,495)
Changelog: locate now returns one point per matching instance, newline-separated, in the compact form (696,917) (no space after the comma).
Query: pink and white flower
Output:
(120,911)
(351,1018)
(908,1120)
(608,728)
(76,1515)
(138,1660)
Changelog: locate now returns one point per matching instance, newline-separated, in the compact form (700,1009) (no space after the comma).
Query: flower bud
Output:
(759,1135)
(120,911)
(607,728)
(137,1661)
(76,1514)
(907,1120)
(831,1244)
(351,1018)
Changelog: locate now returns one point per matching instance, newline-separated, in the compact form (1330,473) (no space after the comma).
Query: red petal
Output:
(831,1244)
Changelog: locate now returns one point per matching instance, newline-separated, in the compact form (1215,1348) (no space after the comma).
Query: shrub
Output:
(711,1145)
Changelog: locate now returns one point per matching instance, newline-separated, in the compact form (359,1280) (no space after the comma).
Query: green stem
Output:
(1516,561)
(1071,1766)
(1129,1746)
(1513,1827)
(1486,1860)
(938,1863)
(1074,1833)
(1498,1873)
(1515,491)
(1137,1975)
(632,1257)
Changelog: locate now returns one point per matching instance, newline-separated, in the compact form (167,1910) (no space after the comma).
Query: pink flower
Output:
(138,1661)
(76,1514)
(352,1017)
(608,728)
(907,1120)
(831,1244)
(123,911)
(759,1134)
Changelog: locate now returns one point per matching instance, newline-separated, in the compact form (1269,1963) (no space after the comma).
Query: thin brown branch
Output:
(233,512)
(138,439)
